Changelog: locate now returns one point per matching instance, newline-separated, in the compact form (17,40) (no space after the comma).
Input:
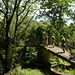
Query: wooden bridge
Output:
(67,56)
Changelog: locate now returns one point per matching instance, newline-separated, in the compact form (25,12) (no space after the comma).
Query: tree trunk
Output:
(16,25)
(7,62)
(49,37)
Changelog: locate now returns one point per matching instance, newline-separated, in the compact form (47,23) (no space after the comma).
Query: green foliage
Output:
(70,71)
(73,51)
(35,31)
(61,65)
(2,37)
(31,53)
(39,34)
(54,11)
(28,71)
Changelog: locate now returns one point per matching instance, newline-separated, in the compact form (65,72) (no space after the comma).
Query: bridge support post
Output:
(43,57)
(48,37)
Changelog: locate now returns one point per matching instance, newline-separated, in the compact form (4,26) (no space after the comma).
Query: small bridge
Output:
(44,52)
(67,56)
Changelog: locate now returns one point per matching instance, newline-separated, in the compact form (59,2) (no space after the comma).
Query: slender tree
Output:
(10,8)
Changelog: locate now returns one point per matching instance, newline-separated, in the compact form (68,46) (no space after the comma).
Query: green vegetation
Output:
(21,33)
(28,71)
(61,65)
(73,51)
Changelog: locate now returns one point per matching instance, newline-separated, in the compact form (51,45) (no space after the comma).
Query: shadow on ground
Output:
(35,64)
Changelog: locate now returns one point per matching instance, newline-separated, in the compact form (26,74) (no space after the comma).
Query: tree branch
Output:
(15,9)
(26,13)
(24,8)
(31,18)
(2,12)
(4,2)
(29,21)
(19,3)
(14,38)
(23,18)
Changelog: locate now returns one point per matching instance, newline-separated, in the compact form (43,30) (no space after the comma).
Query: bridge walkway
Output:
(67,56)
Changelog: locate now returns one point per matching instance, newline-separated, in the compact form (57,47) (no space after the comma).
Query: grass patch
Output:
(30,71)
(27,71)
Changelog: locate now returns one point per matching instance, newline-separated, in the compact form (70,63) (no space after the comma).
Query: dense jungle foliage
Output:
(21,33)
